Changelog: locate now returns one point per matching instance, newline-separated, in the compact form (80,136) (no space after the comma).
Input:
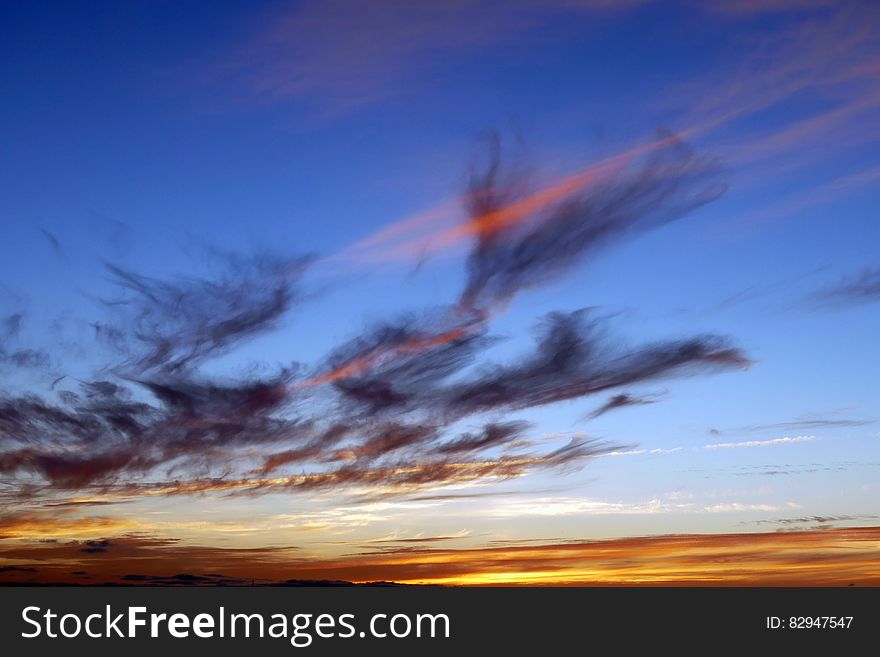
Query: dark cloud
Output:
(14,356)
(184,579)
(390,474)
(12,325)
(443,497)
(100,431)
(808,423)
(83,503)
(394,366)
(620,401)
(175,324)
(134,560)
(24,358)
(492,435)
(424,539)
(392,437)
(313,449)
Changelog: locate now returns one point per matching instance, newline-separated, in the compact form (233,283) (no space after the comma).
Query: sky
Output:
(473,292)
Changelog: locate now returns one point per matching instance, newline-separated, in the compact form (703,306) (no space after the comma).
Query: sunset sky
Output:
(534,291)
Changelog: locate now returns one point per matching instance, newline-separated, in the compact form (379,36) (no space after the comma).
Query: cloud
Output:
(815,520)
(95,547)
(816,196)
(385,476)
(857,290)
(789,469)
(628,452)
(184,579)
(82,503)
(174,324)
(665,450)
(809,423)
(573,359)
(16,569)
(787,440)
(380,414)
(16,356)
(831,557)
(806,53)
(101,431)
(53,241)
(54,522)
(424,539)
(737,507)
(527,239)
(619,401)
(342,55)
(133,559)
(751,7)
(395,365)
(492,435)
(566,506)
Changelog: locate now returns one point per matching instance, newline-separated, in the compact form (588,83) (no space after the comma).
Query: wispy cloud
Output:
(815,521)
(621,400)
(342,55)
(636,452)
(810,422)
(815,196)
(831,557)
(379,414)
(567,506)
(862,288)
(50,523)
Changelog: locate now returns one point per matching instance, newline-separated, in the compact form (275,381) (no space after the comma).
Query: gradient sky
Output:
(320,151)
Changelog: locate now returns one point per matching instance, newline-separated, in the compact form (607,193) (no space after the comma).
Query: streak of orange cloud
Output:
(42,524)
(428,217)
(822,55)
(511,214)
(378,356)
(830,557)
